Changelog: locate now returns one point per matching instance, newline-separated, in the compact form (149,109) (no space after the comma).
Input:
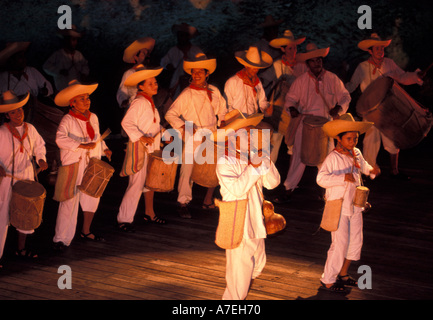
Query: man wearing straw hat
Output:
(317,92)
(79,139)
(67,63)
(366,72)
(242,173)
(244,91)
(202,104)
(278,79)
(20,143)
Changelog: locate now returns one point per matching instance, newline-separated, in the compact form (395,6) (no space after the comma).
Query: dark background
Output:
(225,26)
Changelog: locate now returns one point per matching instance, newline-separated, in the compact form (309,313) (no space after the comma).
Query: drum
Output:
(279,118)
(96,177)
(361,196)
(396,114)
(160,175)
(205,174)
(274,222)
(314,141)
(27,204)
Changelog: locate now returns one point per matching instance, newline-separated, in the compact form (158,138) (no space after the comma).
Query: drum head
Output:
(373,95)
(28,188)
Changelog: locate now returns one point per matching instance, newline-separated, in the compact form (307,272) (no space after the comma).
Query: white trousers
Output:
(132,195)
(346,244)
(371,145)
(244,263)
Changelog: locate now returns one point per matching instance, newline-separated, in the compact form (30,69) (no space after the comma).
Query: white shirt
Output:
(363,75)
(195,105)
(239,181)
(126,92)
(75,63)
(71,133)
(302,95)
(241,96)
(34,82)
(332,173)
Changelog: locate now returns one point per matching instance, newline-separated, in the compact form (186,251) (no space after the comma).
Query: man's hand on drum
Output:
(108,154)
(87,146)
(334,112)
(43,165)
(293,112)
(147,140)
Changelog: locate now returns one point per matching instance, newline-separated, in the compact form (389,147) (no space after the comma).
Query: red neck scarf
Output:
(317,79)
(17,135)
(287,63)
(208,91)
(150,99)
(377,65)
(350,153)
(248,81)
(89,127)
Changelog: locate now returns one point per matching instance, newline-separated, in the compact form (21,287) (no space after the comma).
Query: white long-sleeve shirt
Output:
(363,75)
(32,82)
(195,105)
(331,177)
(74,63)
(71,133)
(126,92)
(141,120)
(241,96)
(303,95)
(240,181)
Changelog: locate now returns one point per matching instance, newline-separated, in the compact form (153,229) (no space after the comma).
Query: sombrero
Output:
(74,88)
(286,39)
(236,121)
(374,40)
(344,124)
(136,46)
(9,101)
(142,73)
(200,62)
(11,49)
(252,58)
(312,52)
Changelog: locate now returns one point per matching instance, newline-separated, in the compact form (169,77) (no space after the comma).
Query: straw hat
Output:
(73,32)
(270,22)
(344,124)
(142,73)
(236,121)
(200,62)
(11,49)
(185,28)
(286,39)
(252,58)
(139,44)
(9,101)
(374,40)
(74,88)
(312,52)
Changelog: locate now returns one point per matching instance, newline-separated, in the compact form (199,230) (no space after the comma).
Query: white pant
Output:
(132,195)
(244,263)
(346,244)
(371,145)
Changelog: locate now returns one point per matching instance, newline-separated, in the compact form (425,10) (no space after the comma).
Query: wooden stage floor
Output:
(179,261)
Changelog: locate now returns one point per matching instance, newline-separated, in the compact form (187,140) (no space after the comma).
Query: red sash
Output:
(150,99)
(16,134)
(375,64)
(248,81)
(350,153)
(208,91)
(89,127)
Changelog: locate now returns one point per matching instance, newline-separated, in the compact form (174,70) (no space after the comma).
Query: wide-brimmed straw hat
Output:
(311,52)
(270,22)
(235,121)
(253,58)
(141,73)
(73,32)
(200,62)
(374,40)
(139,44)
(185,28)
(287,39)
(345,123)
(12,48)
(74,88)
(9,101)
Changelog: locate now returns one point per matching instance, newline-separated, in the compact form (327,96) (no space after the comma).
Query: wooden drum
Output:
(27,204)
(160,176)
(96,177)
(361,196)
(274,222)
(394,112)
(314,141)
